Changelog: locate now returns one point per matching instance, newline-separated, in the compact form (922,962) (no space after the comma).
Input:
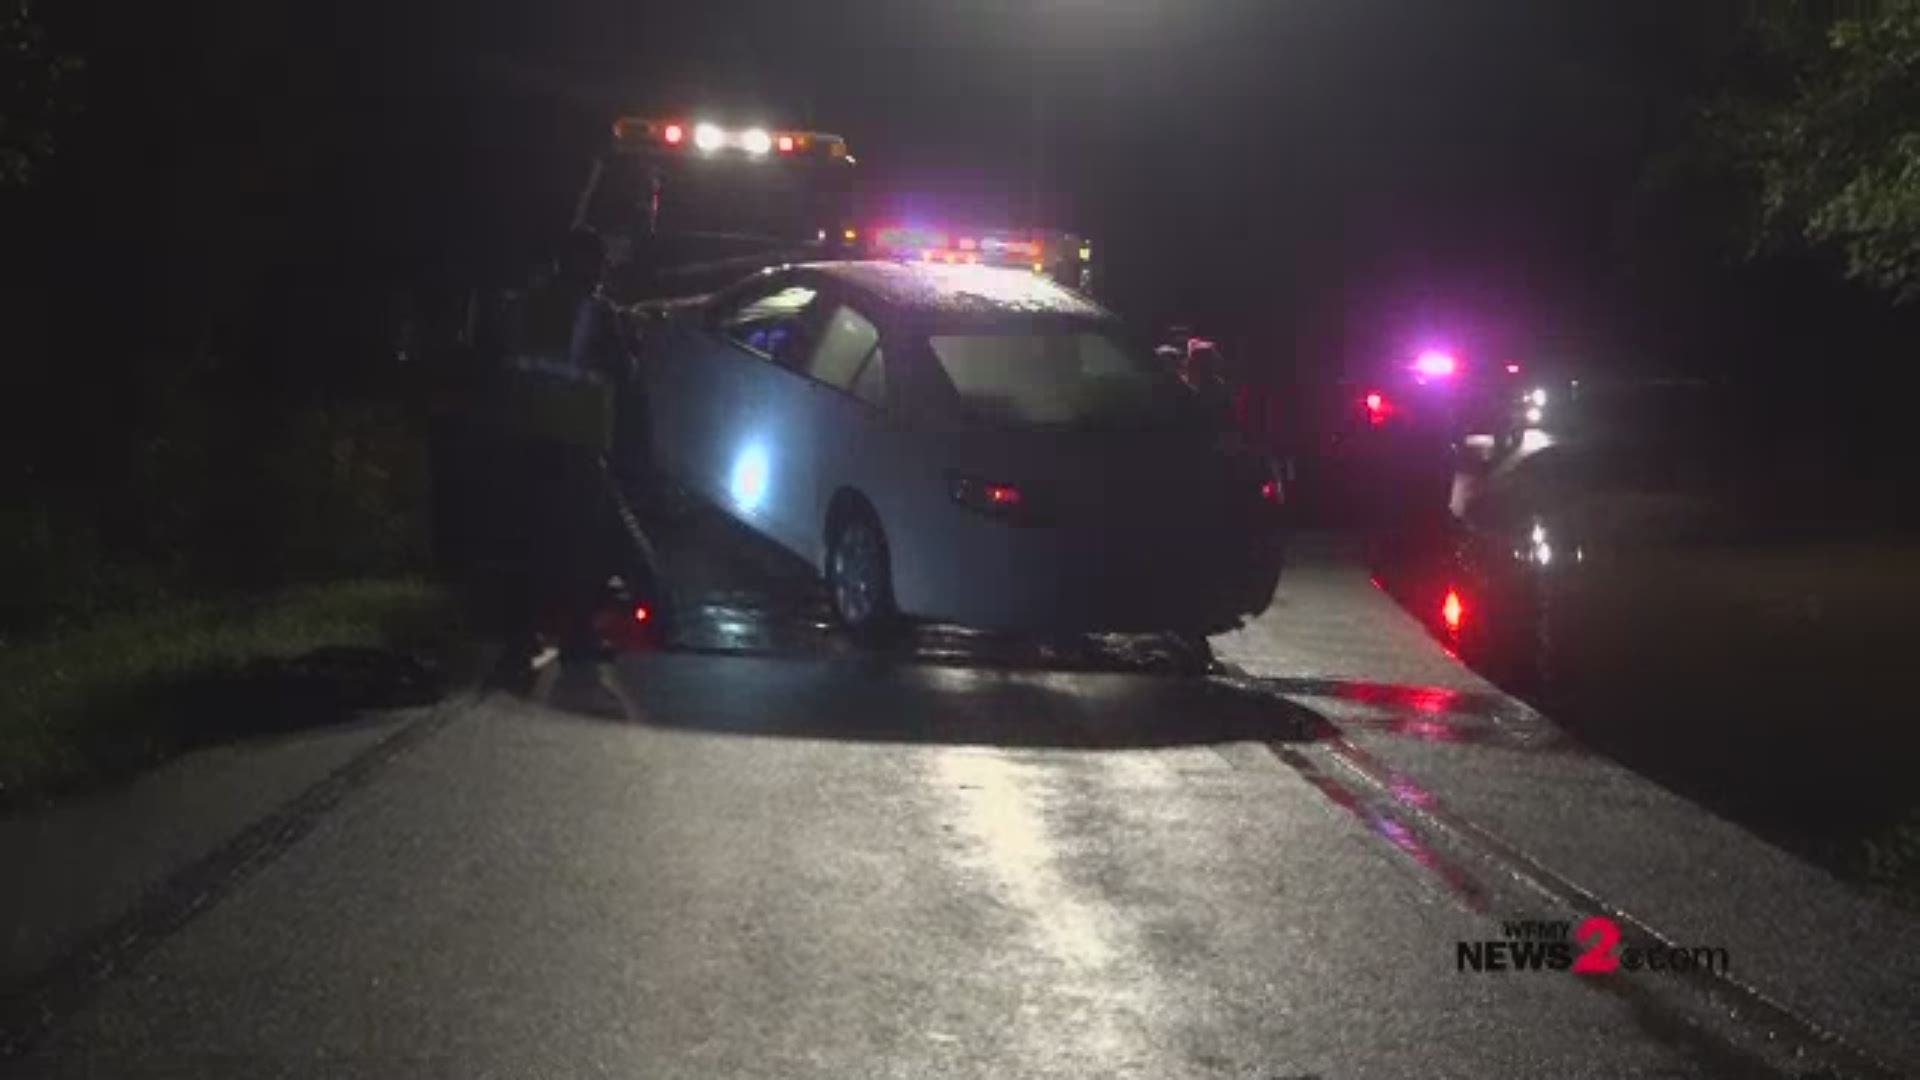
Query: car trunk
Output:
(1137,483)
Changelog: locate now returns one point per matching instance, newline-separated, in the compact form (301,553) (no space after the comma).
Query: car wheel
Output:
(860,575)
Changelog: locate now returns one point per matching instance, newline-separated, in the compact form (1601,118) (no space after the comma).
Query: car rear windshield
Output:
(1060,377)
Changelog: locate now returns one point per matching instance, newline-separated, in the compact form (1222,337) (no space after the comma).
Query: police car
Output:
(1458,399)
(953,440)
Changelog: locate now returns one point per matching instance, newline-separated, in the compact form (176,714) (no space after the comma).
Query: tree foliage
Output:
(38,86)
(1825,126)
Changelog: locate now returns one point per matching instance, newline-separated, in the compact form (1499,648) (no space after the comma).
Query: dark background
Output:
(244,197)
(1334,175)
(1336,168)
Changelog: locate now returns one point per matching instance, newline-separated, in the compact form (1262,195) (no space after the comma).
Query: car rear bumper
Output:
(989,575)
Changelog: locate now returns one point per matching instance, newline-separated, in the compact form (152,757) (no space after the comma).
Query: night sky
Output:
(1343,173)
(1320,177)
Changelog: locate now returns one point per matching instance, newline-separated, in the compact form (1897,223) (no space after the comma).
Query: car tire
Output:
(860,575)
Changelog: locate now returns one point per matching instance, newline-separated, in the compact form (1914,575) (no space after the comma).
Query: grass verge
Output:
(125,691)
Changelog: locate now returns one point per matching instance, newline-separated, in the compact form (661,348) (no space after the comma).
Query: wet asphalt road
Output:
(769,854)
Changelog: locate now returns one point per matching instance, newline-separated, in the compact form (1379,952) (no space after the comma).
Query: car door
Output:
(832,406)
(684,371)
(736,446)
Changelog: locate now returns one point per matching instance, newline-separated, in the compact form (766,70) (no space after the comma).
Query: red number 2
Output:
(1600,935)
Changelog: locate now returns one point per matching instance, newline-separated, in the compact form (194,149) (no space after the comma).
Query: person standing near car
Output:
(573,361)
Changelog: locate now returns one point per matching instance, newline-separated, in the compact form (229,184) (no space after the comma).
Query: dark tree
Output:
(1826,133)
(38,87)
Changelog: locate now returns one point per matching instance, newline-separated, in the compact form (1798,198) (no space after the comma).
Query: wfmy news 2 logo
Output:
(1592,948)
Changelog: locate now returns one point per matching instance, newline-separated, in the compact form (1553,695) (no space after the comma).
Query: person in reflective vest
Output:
(562,385)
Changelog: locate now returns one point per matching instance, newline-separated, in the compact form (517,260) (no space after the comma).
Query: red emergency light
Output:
(1377,406)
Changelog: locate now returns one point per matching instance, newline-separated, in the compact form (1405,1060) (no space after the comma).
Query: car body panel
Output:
(1141,530)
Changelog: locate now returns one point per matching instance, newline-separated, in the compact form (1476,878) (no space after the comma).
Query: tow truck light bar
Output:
(706,137)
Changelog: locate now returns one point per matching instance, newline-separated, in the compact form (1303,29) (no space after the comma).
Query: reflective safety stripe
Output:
(558,402)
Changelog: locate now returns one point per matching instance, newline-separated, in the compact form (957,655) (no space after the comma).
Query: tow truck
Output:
(688,202)
(680,199)
(677,196)
(680,203)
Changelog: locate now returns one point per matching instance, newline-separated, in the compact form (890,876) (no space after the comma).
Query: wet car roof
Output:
(943,290)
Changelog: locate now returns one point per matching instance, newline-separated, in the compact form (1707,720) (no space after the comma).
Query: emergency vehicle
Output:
(1065,257)
(679,193)
(697,195)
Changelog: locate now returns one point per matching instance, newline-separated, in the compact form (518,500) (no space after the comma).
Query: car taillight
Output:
(1453,611)
(785,143)
(1272,493)
(674,135)
(987,497)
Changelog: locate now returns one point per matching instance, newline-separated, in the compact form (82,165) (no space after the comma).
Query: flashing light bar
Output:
(973,247)
(1013,248)
(706,137)
(1436,364)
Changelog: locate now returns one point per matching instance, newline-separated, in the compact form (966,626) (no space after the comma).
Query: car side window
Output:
(773,323)
(870,385)
(845,344)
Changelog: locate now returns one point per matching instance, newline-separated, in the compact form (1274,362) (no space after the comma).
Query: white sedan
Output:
(964,444)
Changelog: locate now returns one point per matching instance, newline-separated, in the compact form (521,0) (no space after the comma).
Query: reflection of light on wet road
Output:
(999,815)
(1382,822)
(1532,441)
(1430,730)
(1471,482)
(956,679)
(1408,792)
(1000,808)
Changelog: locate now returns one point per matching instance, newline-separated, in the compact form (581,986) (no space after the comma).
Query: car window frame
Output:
(826,304)
(875,355)
(750,291)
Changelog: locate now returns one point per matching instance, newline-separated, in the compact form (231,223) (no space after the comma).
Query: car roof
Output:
(939,290)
